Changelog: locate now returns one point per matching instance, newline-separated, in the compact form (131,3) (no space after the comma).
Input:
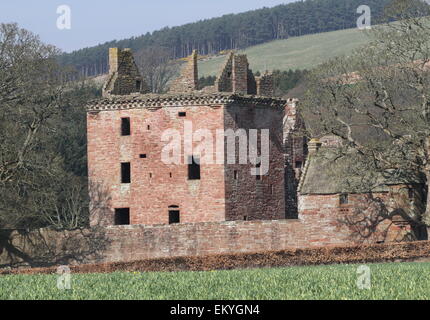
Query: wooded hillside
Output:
(234,31)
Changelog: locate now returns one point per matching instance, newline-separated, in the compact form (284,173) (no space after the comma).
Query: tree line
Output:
(233,31)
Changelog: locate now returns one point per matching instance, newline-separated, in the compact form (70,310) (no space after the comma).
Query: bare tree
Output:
(32,88)
(378,102)
(156,66)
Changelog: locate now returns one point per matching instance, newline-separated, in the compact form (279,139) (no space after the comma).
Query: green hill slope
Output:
(303,52)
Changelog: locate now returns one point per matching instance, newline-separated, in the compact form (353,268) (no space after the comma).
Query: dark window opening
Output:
(138,85)
(142,156)
(229,74)
(174,216)
(193,168)
(125,127)
(298,164)
(182,114)
(149,127)
(171,175)
(411,194)
(344,199)
(245,218)
(150,175)
(125,172)
(235,174)
(257,171)
(122,217)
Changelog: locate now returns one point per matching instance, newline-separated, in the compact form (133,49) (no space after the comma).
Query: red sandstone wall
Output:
(149,197)
(155,186)
(130,243)
(246,196)
(357,221)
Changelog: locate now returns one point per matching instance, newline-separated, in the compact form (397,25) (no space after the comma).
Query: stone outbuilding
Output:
(331,187)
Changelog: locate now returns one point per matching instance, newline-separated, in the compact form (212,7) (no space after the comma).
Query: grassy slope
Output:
(294,53)
(389,281)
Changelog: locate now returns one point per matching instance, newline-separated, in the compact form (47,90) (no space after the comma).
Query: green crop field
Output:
(295,53)
(388,281)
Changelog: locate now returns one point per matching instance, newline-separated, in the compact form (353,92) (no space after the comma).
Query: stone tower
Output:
(128,133)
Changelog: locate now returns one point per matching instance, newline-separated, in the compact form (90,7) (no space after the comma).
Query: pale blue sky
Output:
(98,21)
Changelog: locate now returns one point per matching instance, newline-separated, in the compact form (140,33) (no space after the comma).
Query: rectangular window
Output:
(138,85)
(235,175)
(174,216)
(142,156)
(125,172)
(182,114)
(193,168)
(122,217)
(411,194)
(258,172)
(298,164)
(125,127)
(344,199)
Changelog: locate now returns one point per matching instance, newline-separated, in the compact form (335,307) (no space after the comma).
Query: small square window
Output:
(298,164)
(122,216)
(344,199)
(174,216)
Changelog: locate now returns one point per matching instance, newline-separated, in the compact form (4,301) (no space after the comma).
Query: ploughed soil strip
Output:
(374,253)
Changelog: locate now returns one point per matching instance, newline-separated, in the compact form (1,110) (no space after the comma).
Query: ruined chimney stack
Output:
(188,80)
(113,60)
(124,76)
(265,86)
(240,74)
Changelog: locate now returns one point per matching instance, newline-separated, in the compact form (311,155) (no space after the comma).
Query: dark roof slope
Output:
(328,173)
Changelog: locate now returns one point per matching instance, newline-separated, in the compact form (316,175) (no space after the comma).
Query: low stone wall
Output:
(137,242)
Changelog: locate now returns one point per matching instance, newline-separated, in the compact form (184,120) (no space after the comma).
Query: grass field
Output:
(389,281)
(295,53)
